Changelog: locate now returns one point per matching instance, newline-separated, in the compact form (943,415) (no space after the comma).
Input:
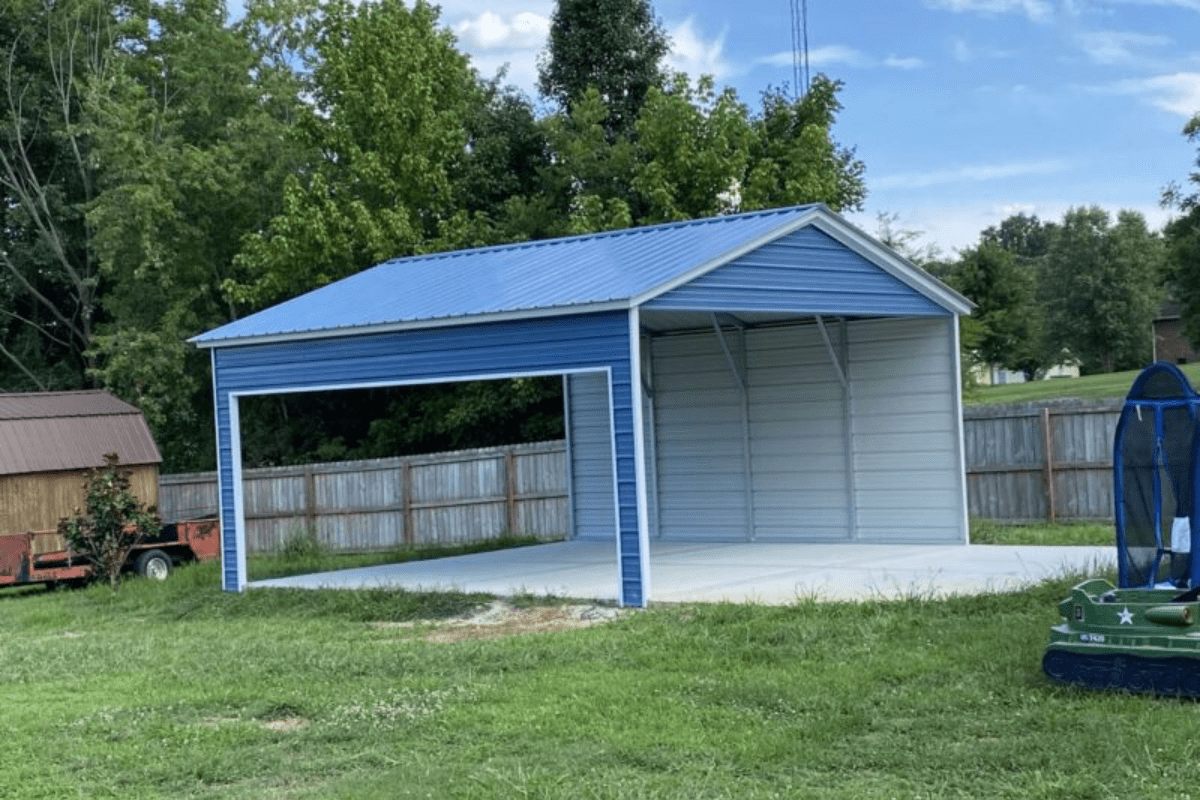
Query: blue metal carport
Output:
(577,306)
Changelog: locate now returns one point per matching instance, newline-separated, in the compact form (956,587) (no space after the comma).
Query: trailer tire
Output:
(154,564)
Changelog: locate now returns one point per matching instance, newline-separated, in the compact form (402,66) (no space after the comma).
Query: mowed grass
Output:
(178,690)
(1090,387)
(985,531)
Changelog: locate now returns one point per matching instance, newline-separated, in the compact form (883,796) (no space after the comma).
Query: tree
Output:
(192,132)
(614,46)
(1183,241)
(391,96)
(904,240)
(1101,288)
(794,158)
(1008,320)
(56,55)
(692,149)
(1023,235)
(114,523)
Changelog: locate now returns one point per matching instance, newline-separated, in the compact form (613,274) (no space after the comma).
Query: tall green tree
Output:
(1023,235)
(1007,318)
(1183,240)
(795,159)
(390,100)
(692,150)
(192,131)
(1102,287)
(614,46)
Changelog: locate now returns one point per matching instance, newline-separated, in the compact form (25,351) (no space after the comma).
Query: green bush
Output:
(115,521)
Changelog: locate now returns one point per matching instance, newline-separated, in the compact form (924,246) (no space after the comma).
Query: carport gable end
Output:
(583,305)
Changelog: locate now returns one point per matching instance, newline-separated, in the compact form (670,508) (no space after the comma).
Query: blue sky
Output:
(964,111)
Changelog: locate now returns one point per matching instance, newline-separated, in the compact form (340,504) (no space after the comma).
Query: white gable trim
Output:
(892,262)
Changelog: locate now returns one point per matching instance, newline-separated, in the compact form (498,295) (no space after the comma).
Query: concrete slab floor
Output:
(769,573)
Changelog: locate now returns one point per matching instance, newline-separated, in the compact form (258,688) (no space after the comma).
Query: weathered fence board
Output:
(1051,461)
(446,498)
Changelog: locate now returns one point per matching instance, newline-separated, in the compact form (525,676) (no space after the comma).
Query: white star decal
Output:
(1126,616)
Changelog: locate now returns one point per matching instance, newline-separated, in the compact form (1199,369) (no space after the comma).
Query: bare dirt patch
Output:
(286,725)
(502,618)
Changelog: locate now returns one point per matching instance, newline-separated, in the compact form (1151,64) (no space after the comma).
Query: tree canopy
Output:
(165,170)
(1084,289)
(1183,240)
(613,46)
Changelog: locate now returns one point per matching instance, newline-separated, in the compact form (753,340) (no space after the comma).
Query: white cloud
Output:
(1034,9)
(510,40)
(490,31)
(840,54)
(821,56)
(972,173)
(1190,5)
(692,54)
(964,51)
(1178,93)
(1117,47)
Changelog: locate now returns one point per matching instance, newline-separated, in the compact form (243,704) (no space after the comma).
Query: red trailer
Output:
(44,557)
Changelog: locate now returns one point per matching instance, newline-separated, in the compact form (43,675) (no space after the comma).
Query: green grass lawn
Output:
(1091,387)
(178,690)
(984,531)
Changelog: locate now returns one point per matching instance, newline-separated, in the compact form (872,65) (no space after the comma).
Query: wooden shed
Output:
(48,442)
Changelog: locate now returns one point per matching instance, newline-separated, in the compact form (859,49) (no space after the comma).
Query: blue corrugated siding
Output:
(560,344)
(804,272)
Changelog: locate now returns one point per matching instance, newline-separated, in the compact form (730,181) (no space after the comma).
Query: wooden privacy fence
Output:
(447,498)
(1023,463)
(1052,461)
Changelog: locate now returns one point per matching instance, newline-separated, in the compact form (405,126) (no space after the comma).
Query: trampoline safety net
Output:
(1154,480)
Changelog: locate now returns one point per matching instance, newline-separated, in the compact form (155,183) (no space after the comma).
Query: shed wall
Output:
(907,441)
(700,438)
(791,455)
(904,443)
(589,423)
(37,501)
(798,433)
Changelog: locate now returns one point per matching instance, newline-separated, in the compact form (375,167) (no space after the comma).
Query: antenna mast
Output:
(799,48)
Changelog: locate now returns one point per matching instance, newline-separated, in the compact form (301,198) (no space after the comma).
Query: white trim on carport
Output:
(235,435)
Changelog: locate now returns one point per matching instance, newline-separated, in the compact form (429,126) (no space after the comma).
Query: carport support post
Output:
(229,491)
(636,433)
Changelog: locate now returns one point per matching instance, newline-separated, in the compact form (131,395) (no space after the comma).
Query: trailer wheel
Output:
(154,564)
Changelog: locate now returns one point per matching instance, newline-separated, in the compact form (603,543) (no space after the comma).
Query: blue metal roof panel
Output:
(567,273)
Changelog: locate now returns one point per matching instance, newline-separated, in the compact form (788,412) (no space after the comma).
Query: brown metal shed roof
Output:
(55,431)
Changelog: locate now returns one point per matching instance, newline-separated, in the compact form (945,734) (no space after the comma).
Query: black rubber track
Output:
(1169,677)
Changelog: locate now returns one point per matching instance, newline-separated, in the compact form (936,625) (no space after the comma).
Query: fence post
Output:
(1049,450)
(510,490)
(310,498)
(406,493)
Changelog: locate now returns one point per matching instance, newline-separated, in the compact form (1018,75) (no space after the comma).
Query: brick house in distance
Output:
(1170,343)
